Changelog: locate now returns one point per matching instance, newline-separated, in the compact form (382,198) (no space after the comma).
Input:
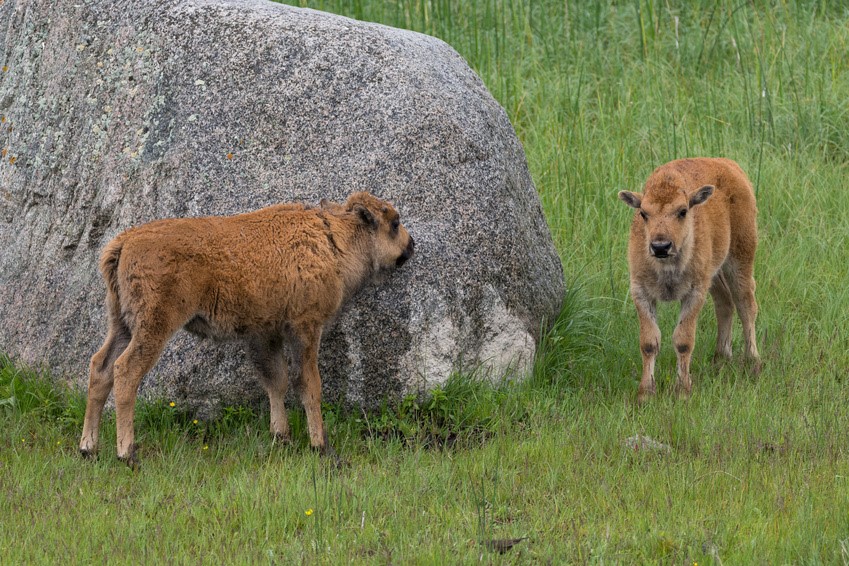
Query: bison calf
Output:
(694,232)
(270,278)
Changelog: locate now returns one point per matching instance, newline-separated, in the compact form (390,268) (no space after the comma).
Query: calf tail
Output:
(109,268)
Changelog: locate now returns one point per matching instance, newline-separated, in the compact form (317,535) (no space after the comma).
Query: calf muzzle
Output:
(408,253)
(660,249)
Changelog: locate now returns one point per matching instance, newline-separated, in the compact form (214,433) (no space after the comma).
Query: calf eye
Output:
(644,215)
(682,213)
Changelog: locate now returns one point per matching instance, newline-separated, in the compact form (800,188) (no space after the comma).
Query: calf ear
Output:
(365,215)
(701,195)
(324,203)
(634,200)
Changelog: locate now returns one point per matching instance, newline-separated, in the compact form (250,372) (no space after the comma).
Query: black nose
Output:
(408,252)
(661,248)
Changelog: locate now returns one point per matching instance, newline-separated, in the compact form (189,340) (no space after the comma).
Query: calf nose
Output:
(407,254)
(661,248)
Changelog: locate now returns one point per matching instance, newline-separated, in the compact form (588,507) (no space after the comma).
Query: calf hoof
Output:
(132,458)
(757,366)
(720,358)
(683,392)
(645,394)
(281,438)
(324,450)
(88,453)
(328,454)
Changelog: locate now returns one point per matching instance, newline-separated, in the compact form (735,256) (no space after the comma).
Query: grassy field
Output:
(599,93)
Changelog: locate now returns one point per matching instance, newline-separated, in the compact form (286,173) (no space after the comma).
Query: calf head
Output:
(664,211)
(393,245)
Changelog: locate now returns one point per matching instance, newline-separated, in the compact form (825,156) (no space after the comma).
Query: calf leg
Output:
(743,291)
(273,375)
(724,304)
(684,339)
(100,379)
(310,387)
(649,345)
(129,369)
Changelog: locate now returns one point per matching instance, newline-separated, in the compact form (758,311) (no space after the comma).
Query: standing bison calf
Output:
(270,278)
(694,232)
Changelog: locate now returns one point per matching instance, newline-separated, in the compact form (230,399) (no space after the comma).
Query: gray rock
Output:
(117,113)
(640,443)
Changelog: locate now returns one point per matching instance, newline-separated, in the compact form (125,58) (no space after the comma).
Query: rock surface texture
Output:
(117,113)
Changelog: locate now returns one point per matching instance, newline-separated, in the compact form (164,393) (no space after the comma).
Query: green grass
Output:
(599,94)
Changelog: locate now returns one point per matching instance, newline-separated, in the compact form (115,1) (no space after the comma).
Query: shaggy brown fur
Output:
(694,232)
(270,278)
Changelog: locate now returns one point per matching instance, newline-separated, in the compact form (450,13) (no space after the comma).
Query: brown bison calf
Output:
(271,278)
(694,232)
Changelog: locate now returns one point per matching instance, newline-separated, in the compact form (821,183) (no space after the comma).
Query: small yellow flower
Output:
(195,421)
(205,447)
(172,404)
(58,442)
(308,512)
(23,440)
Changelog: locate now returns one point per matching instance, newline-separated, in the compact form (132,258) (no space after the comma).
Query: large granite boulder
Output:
(116,113)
